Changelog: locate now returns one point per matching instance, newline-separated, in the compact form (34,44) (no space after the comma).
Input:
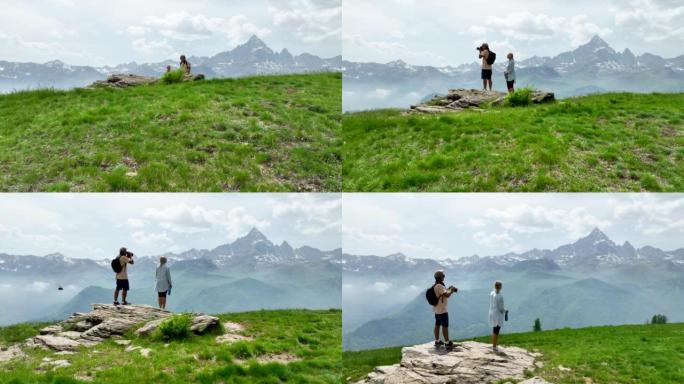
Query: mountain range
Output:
(590,68)
(592,281)
(253,57)
(248,274)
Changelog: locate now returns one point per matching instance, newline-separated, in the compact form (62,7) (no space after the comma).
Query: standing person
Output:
(510,73)
(496,314)
(441,310)
(486,67)
(185,65)
(124,259)
(163,282)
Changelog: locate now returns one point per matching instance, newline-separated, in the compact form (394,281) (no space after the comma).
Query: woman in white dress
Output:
(163,282)
(496,313)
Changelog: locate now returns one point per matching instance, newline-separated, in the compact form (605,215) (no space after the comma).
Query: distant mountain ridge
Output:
(251,250)
(595,250)
(253,57)
(592,67)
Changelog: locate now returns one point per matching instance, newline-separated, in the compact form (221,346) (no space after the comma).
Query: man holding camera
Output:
(125,258)
(486,66)
(441,310)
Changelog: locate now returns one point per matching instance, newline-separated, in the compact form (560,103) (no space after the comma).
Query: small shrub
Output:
(173,76)
(176,327)
(537,325)
(520,98)
(659,319)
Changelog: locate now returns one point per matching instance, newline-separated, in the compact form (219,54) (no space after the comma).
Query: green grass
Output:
(609,142)
(612,354)
(314,337)
(173,77)
(271,133)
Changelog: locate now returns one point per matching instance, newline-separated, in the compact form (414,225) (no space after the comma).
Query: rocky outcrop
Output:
(11,352)
(131,80)
(123,81)
(469,363)
(460,99)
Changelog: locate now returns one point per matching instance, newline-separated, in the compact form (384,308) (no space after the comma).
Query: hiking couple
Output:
(120,267)
(438,297)
(488,58)
(184,65)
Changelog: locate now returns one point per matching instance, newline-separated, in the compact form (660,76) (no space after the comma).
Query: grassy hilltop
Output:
(611,354)
(270,133)
(312,337)
(607,142)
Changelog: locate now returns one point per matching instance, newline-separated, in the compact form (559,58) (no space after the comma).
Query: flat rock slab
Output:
(469,363)
(55,343)
(203,323)
(123,81)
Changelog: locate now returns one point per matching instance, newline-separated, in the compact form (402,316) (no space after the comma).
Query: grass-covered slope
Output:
(272,133)
(312,337)
(609,142)
(620,354)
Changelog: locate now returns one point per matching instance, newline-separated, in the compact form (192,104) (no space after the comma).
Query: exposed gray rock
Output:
(54,364)
(149,327)
(73,335)
(55,343)
(51,329)
(457,100)
(123,81)
(469,363)
(534,380)
(230,338)
(204,323)
(11,352)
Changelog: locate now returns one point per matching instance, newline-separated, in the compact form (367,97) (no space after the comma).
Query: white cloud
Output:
(495,240)
(183,26)
(528,26)
(653,20)
(651,214)
(187,219)
(381,287)
(135,223)
(311,215)
(312,21)
(152,240)
(152,47)
(526,219)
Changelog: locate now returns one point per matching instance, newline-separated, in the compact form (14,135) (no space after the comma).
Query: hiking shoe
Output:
(438,343)
(126,303)
(449,345)
(116,303)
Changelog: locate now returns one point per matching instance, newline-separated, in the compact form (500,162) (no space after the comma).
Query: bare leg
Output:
(484,84)
(436,332)
(123,295)
(116,295)
(163,302)
(445,332)
(490,84)
(495,339)
(160,302)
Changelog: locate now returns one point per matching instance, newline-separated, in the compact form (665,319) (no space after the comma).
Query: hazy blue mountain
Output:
(253,57)
(590,68)
(592,281)
(249,273)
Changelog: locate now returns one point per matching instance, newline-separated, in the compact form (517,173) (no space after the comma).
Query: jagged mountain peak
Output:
(255,41)
(597,42)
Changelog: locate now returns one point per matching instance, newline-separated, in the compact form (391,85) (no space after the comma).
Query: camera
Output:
(129,254)
(478,48)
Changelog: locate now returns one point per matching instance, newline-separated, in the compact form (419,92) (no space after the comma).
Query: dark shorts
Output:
(162,294)
(486,74)
(122,285)
(510,84)
(442,319)
(496,330)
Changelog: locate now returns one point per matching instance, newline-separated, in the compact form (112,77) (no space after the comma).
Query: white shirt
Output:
(442,304)
(496,309)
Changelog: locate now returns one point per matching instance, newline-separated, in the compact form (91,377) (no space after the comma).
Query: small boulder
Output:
(10,353)
(51,329)
(204,323)
(55,343)
(149,327)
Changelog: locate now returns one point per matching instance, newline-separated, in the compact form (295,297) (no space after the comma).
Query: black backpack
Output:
(491,58)
(116,265)
(431,296)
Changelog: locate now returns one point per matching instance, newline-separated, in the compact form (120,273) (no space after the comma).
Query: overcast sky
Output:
(446,32)
(454,225)
(98,32)
(96,225)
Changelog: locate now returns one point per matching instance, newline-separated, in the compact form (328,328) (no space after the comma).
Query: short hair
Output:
(123,251)
(162,260)
(510,54)
(497,283)
(439,273)
(485,45)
